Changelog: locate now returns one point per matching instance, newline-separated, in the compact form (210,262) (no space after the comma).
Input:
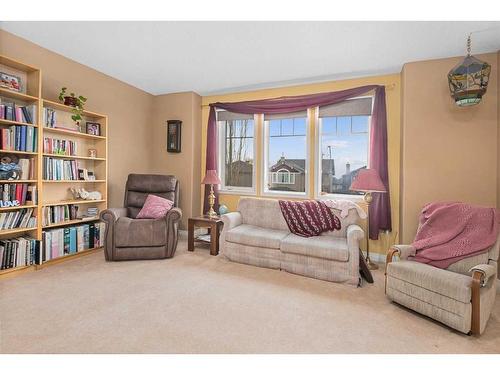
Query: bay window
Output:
(285,154)
(342,142)
(236,135)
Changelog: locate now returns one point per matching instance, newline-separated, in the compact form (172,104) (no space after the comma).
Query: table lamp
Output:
(368,181)
(211,178)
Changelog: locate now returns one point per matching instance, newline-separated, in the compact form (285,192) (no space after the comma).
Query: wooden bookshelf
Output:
(68,257)
(54,192)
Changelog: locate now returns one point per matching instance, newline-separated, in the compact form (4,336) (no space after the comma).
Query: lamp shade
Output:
(211,178)
(368,180)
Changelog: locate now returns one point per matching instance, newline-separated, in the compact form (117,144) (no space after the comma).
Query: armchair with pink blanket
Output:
(449,272)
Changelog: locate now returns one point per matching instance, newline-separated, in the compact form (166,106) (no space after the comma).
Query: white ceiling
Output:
(217,57)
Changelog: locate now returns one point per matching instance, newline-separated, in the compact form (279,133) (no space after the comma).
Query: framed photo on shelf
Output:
(174,135)
(93,128)
(10,81)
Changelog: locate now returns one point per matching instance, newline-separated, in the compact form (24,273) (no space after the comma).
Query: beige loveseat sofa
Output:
(257,234)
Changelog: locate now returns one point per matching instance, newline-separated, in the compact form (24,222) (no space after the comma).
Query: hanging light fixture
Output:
(468,80)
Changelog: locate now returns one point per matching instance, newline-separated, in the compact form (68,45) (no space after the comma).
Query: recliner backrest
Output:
(139,186)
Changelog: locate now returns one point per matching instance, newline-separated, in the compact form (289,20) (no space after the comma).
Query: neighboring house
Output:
(287,175)
(341,185)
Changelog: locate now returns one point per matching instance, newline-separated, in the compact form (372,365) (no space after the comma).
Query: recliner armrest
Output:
(174,215)
(484,272)
(404,251)
(110,215)
(231,220)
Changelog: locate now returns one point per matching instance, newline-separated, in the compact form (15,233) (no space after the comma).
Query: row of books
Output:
(70,240)
(19,252)
(23,218)
(19,138)
(24,194)
(14,112)
(59,146)
(59,214)
(61,169)
(49,117)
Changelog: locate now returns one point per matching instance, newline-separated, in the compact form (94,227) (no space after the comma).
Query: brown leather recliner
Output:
(128,238)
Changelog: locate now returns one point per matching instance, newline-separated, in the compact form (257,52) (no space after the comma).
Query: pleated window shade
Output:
(352,107)
(231,116)
(282,116)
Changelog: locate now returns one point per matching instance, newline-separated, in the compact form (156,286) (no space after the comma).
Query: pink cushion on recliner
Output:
(155,207)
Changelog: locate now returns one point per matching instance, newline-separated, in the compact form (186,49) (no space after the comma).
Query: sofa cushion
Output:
(252,235)
(265,213)
(437,280)
(325,247)
(140,232)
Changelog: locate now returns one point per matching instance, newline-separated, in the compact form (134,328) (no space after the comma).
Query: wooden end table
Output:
(214,226)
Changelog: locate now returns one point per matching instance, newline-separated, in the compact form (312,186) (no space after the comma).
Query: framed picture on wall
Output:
(174,135)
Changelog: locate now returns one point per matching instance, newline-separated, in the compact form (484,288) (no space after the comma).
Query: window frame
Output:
(318,157)
(221,152)
(265,175)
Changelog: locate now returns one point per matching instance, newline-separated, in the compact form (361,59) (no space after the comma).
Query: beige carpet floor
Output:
(196,303)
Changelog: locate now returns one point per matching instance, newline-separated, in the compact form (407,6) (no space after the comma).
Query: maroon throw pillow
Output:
(155,207)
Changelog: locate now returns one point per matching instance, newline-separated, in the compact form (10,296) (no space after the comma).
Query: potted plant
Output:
(77,102)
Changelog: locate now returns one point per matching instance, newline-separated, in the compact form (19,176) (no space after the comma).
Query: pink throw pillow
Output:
(155,207)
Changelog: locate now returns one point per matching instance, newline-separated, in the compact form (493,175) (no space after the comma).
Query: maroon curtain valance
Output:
(380,208)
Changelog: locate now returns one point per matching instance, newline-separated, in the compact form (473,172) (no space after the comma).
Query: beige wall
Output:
(448,153)
(128,108)
(186,165)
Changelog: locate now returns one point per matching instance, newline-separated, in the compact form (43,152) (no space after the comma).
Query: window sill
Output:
(283,194)
(237,192)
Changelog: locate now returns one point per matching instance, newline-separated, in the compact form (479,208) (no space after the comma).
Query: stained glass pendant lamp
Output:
(468,80)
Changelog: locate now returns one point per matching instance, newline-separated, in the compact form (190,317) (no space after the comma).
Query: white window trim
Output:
(317,161)
(265,192)
(221,152)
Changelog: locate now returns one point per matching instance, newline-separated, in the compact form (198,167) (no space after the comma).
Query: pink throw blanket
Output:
(452,231)
(308,218)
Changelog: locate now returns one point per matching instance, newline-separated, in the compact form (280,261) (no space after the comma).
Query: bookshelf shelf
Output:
(17,95)
(67,257)
(16,230)
(18,152)
(71,222)
(9,122)
(17,181)
(17,207)
(66,108)
(74,181)
(82,201)
(15,269)
(54,192)
(73,157)
(70,133)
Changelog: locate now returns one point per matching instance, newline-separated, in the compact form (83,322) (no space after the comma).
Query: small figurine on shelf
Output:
(81,193)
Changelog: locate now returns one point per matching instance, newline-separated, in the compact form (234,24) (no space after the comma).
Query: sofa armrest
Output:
(483,272)
(110,215)
(354,234)
(231,220)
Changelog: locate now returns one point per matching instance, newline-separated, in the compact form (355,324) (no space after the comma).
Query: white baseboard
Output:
(376,257)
